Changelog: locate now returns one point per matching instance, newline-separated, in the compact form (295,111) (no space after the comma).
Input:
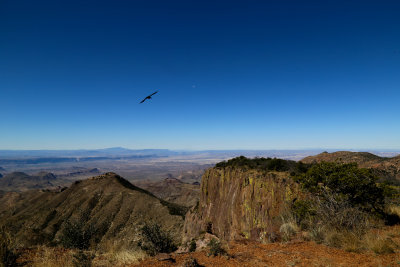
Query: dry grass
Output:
(289,227)
(379,243)
(317,233)
(288,230)
(394,209)
(119,258)
(55,257)
(52,257)
(112,254)
(350,241)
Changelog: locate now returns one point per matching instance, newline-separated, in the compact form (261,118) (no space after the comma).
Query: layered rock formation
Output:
(241,203)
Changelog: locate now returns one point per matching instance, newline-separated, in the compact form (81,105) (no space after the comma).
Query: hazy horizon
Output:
(205,150)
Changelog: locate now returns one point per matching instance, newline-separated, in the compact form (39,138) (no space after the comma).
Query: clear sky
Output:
(230,74)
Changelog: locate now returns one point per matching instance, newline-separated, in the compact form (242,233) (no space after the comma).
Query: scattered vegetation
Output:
(82,259)
(343,205)
(8,255)
(156,240)
(77,234)
(215,248)
(51,257)
(267,164)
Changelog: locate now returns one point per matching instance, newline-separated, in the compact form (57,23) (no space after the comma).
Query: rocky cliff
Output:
(241,203)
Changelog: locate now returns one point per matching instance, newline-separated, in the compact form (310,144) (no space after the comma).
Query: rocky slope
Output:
(111,205)
(240,203)
(386,167)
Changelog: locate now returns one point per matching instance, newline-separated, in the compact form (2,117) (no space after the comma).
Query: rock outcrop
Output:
(239,203)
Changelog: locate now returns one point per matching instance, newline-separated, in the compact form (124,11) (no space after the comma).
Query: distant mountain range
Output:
(120,151)
(83,153)
(20,181)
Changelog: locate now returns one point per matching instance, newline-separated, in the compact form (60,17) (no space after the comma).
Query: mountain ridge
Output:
(108,203)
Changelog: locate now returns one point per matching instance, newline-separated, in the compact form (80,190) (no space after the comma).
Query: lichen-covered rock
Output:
(238,203)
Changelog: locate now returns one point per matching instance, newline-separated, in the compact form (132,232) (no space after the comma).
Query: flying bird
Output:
(148,97)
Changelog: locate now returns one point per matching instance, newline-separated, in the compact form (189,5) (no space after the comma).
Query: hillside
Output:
(109,204)
(386,167)
(173,190)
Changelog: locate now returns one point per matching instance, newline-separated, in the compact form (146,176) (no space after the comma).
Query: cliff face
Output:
(236,203)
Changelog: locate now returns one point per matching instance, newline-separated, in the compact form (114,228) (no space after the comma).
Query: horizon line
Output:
(210,149)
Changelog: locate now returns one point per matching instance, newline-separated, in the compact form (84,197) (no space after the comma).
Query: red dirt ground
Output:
(298,253)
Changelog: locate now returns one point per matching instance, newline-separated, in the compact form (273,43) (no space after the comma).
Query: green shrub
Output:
(302,211)
(156,240)
(357,186)
(215,248)
(267,164)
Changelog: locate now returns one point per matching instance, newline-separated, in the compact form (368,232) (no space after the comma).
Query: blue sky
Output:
(230,74)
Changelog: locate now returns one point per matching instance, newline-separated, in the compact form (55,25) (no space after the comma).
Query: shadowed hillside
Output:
(174,190)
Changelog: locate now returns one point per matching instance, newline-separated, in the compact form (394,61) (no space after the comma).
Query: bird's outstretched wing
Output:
(143,100)
(154,93)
